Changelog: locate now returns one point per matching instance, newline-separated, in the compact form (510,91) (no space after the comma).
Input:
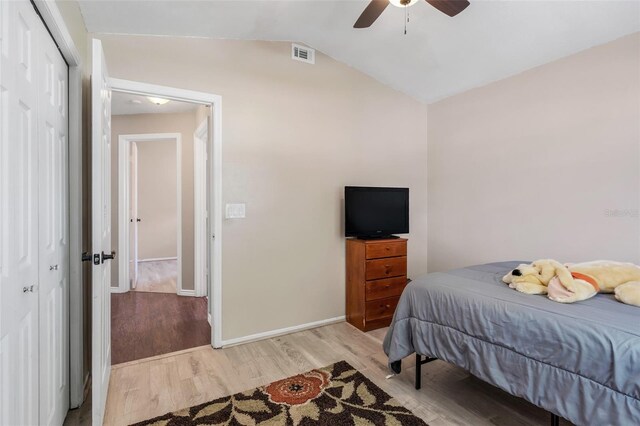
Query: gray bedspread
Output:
(580,361)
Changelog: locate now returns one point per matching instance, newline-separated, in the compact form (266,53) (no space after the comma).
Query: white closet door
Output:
(101,230)
(19,29)
(53,209)
(33,221)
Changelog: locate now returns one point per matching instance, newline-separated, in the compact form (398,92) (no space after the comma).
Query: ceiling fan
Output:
(376,7)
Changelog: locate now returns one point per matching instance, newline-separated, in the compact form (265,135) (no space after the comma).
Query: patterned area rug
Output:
(336,395)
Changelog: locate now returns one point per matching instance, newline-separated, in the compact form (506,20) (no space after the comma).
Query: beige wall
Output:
(185,124)
(542,164)
(157,199)
(294,135)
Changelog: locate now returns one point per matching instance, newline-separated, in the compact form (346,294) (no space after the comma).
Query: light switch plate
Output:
(235,211)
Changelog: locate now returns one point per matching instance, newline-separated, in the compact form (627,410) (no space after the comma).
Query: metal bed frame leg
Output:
(418,382)
(419,362)
(555,419)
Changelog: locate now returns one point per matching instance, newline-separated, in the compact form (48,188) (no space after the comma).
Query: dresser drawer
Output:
(382,308)
(386,249)
(385,268)
(379,289)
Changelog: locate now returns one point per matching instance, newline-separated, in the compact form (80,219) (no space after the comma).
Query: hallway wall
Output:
(185,124)
(157,199)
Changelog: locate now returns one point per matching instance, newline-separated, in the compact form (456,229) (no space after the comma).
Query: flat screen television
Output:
(375,212)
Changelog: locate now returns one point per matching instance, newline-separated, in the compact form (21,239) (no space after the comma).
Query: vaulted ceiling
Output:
(438,57)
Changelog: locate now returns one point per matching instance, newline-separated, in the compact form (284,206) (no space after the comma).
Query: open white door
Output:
(133,215)
(101,229)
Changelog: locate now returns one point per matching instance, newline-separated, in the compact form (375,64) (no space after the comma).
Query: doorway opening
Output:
(102,88)
(159,299)
(150,226)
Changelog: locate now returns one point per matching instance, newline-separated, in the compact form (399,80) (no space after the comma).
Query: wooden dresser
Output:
(376,276)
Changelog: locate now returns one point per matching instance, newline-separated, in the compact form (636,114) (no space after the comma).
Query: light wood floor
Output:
(146,388)
(158,276)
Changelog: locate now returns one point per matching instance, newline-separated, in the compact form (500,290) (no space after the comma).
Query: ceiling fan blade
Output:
(371,13)
(449,7)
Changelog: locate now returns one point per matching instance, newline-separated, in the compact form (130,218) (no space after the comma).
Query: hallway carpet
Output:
(149,324)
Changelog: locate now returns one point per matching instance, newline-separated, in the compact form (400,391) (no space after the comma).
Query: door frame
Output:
(124,184)
(200,263)
(215,207)
(59,31)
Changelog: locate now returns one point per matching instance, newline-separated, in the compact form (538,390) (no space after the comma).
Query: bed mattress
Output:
(580,361)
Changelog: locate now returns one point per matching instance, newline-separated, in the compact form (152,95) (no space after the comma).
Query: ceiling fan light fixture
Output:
(158,101)
(403,3)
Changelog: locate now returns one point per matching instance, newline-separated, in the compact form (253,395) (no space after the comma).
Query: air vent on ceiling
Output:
(303,53)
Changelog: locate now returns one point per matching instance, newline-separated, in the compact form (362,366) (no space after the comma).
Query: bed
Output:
(579,361)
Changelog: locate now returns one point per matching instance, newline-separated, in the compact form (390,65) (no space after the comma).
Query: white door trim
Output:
(215,182)
(200,138)
(124,178)
(215,187)
(61,35)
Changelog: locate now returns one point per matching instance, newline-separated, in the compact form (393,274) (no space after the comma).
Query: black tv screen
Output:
(376,212)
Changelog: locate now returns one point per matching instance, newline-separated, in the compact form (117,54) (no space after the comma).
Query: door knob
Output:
(138,220)
(108,256)
(86,256)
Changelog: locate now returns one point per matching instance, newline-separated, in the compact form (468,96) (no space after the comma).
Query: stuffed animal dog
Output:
(579,281)
(533,278)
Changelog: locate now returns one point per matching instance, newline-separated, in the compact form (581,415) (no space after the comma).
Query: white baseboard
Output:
(118,290)
(156,259)
(281,331)
(183,292)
